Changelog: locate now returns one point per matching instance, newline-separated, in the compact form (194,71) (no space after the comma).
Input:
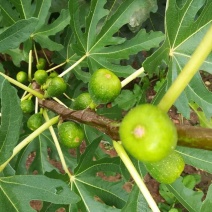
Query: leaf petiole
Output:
(187,73)
(47,59)
(60,153)
(36,54)
(73,66)
(132,77)
(135,175)
(28,139)
(57,100)
(24,87)
(56,67)
(30,66)
(26,96)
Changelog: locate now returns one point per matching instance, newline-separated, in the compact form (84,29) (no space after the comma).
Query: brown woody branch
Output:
(189,136)
(89,117)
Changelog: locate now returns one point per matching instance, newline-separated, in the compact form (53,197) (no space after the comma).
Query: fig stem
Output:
(187,73)
(60,153)
(24,87)
(132,77)
(28,139)
(135,175)
(73,66)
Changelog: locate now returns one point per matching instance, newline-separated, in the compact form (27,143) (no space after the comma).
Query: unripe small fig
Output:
(168,169)
(57,86)
(35,121)
(27,106)
(22,77)
(40,76)
(84,101)
(71,134)
(41,64)
(104,86)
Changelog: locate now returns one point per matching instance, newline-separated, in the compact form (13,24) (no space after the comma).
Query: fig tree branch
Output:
(189,136)
(89,117)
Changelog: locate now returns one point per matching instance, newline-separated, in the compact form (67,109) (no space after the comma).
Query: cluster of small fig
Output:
(146,132)
(103,87)
(27,105)
(51,84)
